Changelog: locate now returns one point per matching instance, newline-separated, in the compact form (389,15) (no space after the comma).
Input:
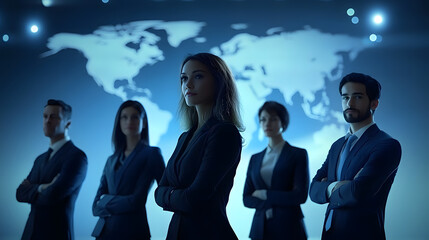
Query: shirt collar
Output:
(276,148)
(359,132)
(56,146)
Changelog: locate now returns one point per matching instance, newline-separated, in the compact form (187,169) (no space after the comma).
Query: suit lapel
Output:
(197,135)
(358,145)
(111,173)
(127,162)
(180,145)
(258,163)
(52,166)
(188,140)
(336,158)
(283,159)
(174,174)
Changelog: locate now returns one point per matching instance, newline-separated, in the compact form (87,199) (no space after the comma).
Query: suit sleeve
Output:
(97,210)
(220,158)
(28,192)
(318,187)
(382,164)
(248,200)
(162,192)
(120,204)
(299,193)
(71,177)
(159,166)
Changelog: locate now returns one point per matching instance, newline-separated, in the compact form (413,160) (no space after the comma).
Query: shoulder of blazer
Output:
(72,151)
(154,150)
(154,153)
(298,153)
(289,147)
(72,146)
(376,136)
(374,130)
(259,153)
(257,156)
(217,126)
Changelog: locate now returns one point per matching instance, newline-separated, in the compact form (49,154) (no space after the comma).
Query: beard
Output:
(359,118)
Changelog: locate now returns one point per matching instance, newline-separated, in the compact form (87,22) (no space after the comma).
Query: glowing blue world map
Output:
(292,62)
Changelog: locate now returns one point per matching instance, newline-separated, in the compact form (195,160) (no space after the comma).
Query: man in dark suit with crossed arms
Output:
(358,173)
(55,179)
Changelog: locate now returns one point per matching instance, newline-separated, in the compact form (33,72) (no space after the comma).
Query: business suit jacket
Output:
(360,204)
(289,189)
(51,215)
(122,210)
(197,182)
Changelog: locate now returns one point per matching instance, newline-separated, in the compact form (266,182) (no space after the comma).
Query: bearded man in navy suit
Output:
(55,180)
(360,168)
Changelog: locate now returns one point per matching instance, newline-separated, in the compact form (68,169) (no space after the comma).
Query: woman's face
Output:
(198,84)
(131,122)
(270,123)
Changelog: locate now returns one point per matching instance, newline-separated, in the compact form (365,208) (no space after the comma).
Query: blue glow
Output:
(34,28)
(95,65)
(5,38)
(47,3)
(377,19)
(373,37)
(350,12)
(105,1)
(379,38)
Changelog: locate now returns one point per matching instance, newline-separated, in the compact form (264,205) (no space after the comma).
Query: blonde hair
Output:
(226,106)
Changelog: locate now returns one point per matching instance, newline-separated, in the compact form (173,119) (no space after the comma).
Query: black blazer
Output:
(197,182)
(122,210)
(359,205)
(51,215)
(289,189)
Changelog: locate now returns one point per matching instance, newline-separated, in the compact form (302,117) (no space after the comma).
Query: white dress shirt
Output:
(269,161)
(56,146)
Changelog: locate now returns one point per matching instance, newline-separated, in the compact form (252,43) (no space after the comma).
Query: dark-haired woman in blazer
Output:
(277,181)
(127,177)
(200,173)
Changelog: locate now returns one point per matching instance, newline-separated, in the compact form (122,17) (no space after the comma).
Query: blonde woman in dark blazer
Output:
(200,173)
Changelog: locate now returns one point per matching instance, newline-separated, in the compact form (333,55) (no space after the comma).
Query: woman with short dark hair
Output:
(277,181)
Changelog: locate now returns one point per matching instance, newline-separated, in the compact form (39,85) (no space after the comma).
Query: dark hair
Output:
(373,87)
(226,106)
(65,108)
(118,137)
(273,107)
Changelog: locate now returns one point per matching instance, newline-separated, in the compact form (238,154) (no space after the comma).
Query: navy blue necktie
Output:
(343,157)
(345,154)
